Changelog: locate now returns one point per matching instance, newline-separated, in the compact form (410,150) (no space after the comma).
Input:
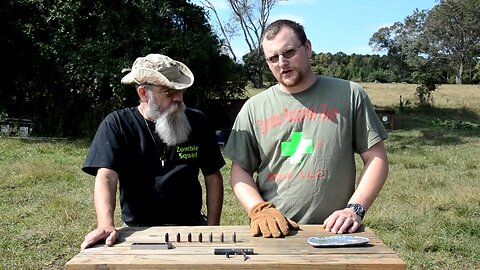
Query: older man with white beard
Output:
(154,153)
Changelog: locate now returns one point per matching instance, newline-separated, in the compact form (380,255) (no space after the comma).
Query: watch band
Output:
(358,209)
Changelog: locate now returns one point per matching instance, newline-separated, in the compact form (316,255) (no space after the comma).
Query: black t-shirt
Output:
(150,194)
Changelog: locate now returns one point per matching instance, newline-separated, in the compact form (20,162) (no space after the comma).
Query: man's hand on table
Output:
(268,221)
(109,234)
(342,221)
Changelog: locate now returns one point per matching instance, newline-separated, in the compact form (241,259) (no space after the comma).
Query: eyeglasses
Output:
(169,92)
(287,54)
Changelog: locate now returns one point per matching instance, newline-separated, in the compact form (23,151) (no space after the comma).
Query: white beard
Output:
(172,124)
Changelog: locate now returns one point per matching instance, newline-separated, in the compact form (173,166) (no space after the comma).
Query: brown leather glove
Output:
(268,221)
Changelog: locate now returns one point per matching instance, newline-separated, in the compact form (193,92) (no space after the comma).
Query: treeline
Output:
(385,69)
(63,59)
(360,68)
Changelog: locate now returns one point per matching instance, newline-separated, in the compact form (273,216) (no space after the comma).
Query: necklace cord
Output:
(162,156)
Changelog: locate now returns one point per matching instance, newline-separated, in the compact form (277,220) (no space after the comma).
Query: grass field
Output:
(428,211)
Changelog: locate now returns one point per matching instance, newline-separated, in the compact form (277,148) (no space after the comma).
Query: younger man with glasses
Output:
(154,153)
(300,137)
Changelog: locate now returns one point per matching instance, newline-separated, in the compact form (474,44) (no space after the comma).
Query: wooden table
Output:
(190,252)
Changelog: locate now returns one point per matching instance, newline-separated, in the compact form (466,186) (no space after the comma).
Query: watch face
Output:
(358,208)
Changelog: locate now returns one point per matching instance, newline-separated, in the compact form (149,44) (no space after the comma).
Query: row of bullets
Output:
(200,237)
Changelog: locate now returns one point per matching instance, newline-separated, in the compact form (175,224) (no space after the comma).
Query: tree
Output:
(66,57)
(450,32)
(453,29)
(250,17)
(405,43)
(18,53)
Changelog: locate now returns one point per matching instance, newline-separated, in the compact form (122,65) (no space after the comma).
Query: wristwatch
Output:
(358,209)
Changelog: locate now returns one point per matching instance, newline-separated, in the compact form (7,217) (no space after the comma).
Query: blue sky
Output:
(336,25)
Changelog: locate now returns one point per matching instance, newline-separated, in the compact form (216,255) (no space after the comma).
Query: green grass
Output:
(428,211)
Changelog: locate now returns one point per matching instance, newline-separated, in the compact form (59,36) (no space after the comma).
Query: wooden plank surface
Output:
(291,252)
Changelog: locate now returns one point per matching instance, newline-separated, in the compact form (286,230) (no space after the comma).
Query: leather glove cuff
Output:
(259,207)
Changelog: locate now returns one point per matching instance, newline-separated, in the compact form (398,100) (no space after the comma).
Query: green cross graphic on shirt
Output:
(296,148)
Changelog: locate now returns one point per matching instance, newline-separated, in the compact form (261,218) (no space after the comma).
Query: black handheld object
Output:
(233,251)
(149,245)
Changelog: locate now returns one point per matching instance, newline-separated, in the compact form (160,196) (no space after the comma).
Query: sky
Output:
(335,25)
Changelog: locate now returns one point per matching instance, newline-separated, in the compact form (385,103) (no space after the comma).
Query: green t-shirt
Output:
(301,146)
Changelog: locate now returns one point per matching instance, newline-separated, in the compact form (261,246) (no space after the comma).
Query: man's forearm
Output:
(244,187)
(372,178)
(105,198)
(214,197)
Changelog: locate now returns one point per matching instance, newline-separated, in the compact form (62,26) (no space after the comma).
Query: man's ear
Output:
(142,93)
(308,46)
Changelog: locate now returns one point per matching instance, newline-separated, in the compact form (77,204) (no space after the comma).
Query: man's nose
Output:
(282,60)
(177,96)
